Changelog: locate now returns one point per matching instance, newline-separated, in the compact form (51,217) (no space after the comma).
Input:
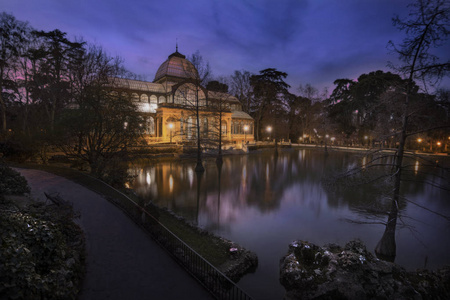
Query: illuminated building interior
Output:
(169,103)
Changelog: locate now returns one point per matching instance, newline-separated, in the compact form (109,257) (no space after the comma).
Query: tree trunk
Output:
(386,247)
(219,160)
(199,167)
(3,109)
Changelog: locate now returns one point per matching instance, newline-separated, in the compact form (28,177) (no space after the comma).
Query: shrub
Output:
(11,182)
(37,258)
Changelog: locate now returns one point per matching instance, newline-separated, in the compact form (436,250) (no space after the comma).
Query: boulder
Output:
(332,272)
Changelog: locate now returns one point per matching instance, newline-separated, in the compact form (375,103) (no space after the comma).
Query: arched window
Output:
(162,99)
(150,126)
(142,104)
(134,97)
(153,104)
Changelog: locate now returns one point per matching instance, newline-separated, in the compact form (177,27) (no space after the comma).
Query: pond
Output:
(264,201)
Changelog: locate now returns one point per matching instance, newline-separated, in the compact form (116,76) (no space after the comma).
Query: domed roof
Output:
(176,66)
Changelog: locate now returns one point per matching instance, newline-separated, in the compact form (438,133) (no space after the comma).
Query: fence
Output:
(219,285)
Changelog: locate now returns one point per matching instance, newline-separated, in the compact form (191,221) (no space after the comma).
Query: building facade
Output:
(170,103)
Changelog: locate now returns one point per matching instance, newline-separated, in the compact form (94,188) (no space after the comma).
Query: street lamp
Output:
(245,133)
(419,141)
(170,130)
(269,130)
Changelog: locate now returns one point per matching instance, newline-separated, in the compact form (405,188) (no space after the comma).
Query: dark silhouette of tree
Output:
(12,38)
(101,124)
(217,86)
(241,88)
(218,106)
(425,29)
(204,71)
(357,107)
(411,112)
(269,89)
(55,55)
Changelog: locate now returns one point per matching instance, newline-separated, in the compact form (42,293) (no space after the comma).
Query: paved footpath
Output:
(122,261)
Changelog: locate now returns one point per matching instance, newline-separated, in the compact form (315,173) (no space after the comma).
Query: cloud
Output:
(315,41)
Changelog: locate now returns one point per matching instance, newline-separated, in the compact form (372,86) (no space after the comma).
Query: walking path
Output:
(122,261)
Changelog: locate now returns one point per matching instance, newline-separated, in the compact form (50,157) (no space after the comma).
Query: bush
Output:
(38,259)
(11,182)
(16,151)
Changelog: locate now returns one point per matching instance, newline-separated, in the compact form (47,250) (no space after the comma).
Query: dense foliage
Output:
(37,260)
(41,250)
(11,182)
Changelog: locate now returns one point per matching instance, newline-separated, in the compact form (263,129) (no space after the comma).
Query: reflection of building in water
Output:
(168,105)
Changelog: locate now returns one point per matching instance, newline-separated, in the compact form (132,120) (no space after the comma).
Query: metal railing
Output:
(217,283)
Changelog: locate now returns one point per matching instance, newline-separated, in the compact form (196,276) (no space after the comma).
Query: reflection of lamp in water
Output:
(416,167)
(148,179)
(170,129)
(171,183)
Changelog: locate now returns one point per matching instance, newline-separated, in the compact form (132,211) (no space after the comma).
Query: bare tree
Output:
(218,106)
(203,69)
(426,28)
(101,124)
(241,88)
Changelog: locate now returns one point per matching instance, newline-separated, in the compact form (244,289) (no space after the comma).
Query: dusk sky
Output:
(314,41)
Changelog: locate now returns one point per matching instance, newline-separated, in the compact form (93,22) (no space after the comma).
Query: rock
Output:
(332,272)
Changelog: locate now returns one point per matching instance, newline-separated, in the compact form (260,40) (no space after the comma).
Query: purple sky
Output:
(314,41)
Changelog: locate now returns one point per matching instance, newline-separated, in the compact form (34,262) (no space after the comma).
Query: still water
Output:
(264,202)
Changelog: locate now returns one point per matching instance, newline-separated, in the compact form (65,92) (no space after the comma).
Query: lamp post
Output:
(170,131)
(419,140)
(269,130)
(245,133)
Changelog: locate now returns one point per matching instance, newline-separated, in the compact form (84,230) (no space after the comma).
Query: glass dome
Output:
(176,66)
